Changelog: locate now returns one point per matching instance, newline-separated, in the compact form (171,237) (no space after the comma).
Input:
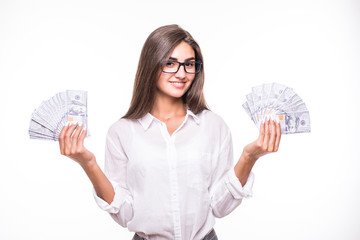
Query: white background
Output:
(310,189)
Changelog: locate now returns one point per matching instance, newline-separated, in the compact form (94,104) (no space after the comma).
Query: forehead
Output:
(182,51)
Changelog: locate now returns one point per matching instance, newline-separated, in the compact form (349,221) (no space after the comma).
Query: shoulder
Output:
(120,127)
(208,116)
(213,121)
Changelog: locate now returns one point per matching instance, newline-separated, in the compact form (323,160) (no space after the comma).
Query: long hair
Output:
(157,48)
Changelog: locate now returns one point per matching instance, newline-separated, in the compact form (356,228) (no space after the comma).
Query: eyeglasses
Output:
(174,66)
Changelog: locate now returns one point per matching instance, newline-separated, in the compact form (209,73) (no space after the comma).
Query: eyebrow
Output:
(175,59)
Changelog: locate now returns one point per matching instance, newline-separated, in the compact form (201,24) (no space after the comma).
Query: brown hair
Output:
(157,48)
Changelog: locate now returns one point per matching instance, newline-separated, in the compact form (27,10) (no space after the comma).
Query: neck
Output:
(166,108)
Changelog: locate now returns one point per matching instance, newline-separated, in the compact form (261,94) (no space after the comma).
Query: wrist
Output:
(248,157)
(244,166)
(90,164)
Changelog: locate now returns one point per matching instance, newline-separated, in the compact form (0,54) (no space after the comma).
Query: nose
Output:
(181,73)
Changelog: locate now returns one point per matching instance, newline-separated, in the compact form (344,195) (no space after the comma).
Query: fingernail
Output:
(80,124)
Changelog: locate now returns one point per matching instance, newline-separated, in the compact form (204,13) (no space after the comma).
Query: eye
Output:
(169,64)
(190,64)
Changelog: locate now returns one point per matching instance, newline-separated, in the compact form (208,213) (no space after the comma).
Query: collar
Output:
(146,120)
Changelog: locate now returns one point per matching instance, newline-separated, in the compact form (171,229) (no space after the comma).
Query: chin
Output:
(177,95)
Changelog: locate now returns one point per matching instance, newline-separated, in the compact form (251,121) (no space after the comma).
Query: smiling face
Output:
(175,85)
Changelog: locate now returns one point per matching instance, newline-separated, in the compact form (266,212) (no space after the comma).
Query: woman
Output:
(169,161)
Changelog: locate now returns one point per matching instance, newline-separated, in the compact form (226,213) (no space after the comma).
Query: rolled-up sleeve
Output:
(226,190)
(121,208)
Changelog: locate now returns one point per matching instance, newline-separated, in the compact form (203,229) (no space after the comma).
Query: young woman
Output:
(169,161)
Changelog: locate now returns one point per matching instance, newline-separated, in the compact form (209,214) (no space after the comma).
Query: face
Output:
(175,85)
(292,125)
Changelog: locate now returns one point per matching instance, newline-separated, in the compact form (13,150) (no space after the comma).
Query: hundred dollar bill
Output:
(76,102)
(287,94)
(278,102)
(248,111)
(266,89)
(49,118)
(275,93)
(300,107)
(292,101)
(250,102)
(256,95)
(40,116)
(294,122)
(36,129)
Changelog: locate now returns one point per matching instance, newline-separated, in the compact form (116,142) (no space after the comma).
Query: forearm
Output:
(267,142)
(243,167)
(101,183)
(71,141)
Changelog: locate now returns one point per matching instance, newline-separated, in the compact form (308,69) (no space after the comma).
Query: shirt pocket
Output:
(198,171)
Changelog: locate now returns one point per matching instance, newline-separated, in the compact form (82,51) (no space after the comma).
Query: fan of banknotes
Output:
(50,117)
(280,103)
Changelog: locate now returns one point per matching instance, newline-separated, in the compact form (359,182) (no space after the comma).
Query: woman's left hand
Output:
(267,142)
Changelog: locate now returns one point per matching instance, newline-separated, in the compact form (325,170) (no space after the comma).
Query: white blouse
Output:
(172,187)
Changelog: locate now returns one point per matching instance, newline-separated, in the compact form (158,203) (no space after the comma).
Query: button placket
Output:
(174,190)
(172,159)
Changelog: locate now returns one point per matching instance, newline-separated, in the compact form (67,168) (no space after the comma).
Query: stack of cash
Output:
(50,117)
(280,103)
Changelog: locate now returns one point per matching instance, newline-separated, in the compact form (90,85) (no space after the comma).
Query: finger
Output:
(67,138)
(74,140)
(262,132)
(272,136)
(61,138)
(267,134)
(278,137)
(82,137)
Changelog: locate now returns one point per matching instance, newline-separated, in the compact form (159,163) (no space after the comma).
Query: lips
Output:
(177,84)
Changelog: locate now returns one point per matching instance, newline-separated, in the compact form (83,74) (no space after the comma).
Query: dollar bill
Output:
(294,122)
(76,102)
(256,96)
(275,93)
(278,102)
(50,117)
(250,104)
(266,90)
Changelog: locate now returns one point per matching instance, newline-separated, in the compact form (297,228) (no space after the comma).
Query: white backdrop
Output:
(310,189)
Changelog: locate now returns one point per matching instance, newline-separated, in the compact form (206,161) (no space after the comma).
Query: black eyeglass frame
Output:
(182,64)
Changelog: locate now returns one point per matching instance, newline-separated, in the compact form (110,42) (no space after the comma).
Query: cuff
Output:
(121,196)
(236,189)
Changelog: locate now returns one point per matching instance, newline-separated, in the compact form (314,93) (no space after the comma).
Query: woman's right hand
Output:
(71,141)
